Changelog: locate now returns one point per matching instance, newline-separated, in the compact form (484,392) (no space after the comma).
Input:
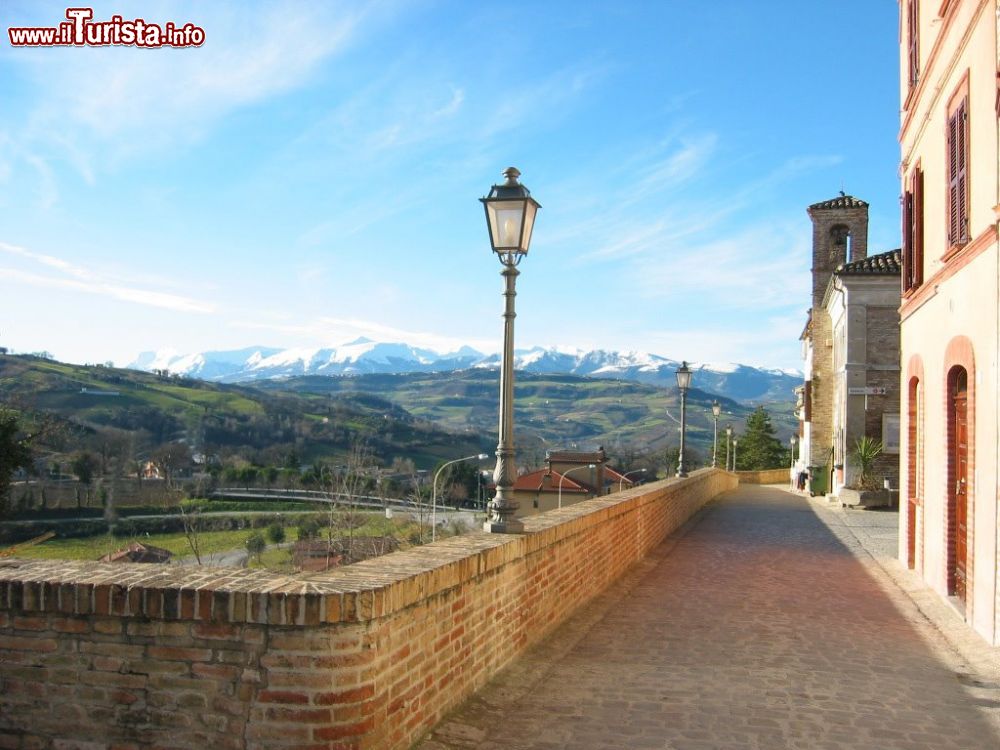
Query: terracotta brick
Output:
(299,715)
(215,671)
(175,653)
(282,696)
(355,695)
(70,625)
(343,731)
(17,643)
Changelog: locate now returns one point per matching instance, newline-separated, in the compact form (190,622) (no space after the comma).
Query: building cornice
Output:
(915,299)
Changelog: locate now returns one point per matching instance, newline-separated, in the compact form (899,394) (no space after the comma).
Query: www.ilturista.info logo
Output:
(81,31)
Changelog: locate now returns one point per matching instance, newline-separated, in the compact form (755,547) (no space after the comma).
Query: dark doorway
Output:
(958,476)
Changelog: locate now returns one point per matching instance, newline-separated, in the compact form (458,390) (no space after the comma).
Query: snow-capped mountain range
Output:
(364,356)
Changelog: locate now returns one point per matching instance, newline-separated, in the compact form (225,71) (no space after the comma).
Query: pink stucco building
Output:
(949,62)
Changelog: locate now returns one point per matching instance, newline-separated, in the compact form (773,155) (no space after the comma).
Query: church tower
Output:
(840,235)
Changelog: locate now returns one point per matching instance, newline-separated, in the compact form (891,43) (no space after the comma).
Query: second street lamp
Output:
(791,467)
(735,442)
(621,482)
(510,218)
(683,383)
(434,488)
(716,411)
(729,438)
(563,475)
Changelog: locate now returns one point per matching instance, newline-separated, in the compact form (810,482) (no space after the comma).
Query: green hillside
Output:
(95,405)
(551,411)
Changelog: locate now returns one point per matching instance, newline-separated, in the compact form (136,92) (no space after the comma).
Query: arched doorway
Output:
(958,482)
(914,467)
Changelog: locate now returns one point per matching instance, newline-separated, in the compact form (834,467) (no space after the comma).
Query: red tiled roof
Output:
(534,481)
(138,553)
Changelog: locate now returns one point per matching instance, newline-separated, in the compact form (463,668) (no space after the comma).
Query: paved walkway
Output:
(763,624)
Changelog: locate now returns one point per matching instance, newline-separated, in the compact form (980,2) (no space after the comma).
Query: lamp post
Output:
(729,439)
(735,443)
(562,476)
(716,411)
(791,466)
(683,383)
(510,218)
(621,482)
(434,488)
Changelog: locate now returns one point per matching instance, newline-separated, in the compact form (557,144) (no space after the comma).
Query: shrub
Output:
(276,533)
(309,528)
(866,450)
(256,544)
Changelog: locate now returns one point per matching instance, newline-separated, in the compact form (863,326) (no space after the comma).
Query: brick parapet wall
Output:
(765,476)
(367,656)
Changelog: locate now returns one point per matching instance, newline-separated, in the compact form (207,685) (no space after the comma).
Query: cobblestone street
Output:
(770,621)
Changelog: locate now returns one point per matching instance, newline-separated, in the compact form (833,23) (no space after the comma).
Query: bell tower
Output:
(840,235)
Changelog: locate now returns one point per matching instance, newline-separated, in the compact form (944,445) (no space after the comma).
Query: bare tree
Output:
(343,486)
(191,518)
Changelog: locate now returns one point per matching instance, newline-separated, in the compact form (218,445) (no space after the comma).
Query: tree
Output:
(85,464)
(276,533)
(191,518)
(256,544)
(15,449)
(171,458)
(758,447)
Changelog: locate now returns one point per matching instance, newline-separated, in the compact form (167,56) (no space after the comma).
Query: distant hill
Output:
(100,405)
(550,410)
(749,385)
(423,416)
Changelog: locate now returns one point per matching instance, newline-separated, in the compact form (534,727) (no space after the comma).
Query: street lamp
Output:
(729,439)
(735,443)
(683,383)
(562,476)
(510,218)
(791,467)
(621,482)
(434,486)
(716,411)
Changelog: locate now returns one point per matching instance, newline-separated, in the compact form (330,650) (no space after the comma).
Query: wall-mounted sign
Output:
(870,390)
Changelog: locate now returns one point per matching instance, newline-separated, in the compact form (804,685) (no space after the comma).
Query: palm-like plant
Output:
(866,450)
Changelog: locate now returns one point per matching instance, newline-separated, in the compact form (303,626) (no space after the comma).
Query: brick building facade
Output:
(851,349)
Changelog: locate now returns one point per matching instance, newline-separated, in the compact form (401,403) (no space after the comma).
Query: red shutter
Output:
(912,30)
(953,212)
(917,238)
(963,169)
(907,241)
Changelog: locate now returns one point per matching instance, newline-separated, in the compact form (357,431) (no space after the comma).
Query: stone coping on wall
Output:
(355,593)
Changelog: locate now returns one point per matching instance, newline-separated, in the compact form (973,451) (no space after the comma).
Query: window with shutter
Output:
(913,48)
(913,231)
(958,177)
(917,234)
(907,241)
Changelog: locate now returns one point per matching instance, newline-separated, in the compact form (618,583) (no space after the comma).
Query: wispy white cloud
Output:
(77,279)
(118,102)
(763,266)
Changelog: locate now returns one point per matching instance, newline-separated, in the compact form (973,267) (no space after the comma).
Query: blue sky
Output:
(311,173)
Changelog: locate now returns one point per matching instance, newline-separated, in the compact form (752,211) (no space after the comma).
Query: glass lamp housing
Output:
(683,376)
(510,215)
